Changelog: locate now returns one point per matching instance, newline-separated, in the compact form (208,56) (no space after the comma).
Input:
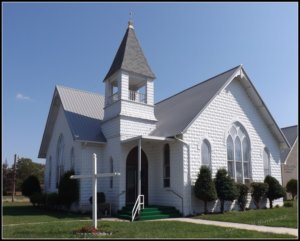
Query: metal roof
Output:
(83,111)
(130,57)
(175,113)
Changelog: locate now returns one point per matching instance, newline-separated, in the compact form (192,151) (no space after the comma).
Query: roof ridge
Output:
(85,91)
(198,84)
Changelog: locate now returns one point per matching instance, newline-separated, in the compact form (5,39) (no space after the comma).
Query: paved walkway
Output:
(280,230)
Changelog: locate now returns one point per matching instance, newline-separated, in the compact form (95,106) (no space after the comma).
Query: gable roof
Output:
(130,57)
(291,134)
(83,111)
(175,114)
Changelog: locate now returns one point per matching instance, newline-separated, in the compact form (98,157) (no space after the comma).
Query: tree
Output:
(30,186)
(275,189)
(26,167)
(291,187)
(204,187)
(68,189)
(226,189)
(259,190)
(7,174)
(243,193)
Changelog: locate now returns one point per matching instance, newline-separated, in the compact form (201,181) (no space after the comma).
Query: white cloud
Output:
(20,96)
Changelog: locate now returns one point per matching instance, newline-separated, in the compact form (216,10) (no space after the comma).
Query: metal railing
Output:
(137,206)
(172,191)
(136,96)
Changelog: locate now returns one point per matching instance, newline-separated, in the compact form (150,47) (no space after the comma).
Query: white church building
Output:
(158,148)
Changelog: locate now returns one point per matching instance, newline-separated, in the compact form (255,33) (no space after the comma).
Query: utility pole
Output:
(14,180)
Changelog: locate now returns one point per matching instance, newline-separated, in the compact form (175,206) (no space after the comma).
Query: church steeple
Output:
(130,56)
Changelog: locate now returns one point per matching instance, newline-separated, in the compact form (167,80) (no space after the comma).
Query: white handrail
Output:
(137,206)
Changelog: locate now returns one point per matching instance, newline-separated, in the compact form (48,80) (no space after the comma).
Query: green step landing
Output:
(150,213)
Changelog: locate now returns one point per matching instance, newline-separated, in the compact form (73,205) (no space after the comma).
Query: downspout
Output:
(189,171)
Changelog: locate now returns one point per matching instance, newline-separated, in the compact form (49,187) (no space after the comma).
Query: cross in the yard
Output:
(94,177)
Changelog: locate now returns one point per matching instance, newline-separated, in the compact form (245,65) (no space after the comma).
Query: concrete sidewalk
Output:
(279,230)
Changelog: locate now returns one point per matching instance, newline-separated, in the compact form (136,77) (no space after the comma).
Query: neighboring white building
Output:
(221,122)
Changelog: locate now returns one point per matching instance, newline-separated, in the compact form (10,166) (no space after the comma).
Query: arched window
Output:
(72,158)
(266,159)
(166,169)
(238,153)
(206,153)
(59,159)
(111,183)
(49,172)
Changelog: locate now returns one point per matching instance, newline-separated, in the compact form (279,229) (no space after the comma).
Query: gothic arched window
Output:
(238,153)
(206,153)
(166,168)
(266,159)
(59,159)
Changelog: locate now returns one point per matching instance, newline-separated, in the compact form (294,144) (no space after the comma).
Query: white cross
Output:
(94,185)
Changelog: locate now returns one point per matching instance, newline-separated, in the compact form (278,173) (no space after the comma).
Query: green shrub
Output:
(291,187)
(38,199)
(275,190)
(204,187)
(51,200)
(258,192)
(226,188)
(242,198)
(68,189)
(288,204)
(30,186)
(100,198)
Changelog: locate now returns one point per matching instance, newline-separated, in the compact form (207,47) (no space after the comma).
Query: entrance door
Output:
(132,177)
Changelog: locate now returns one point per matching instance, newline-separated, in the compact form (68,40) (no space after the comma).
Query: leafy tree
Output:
(275,189)
(291,187)
(68,189)
(242,198)
(226,189)
(259,190)
(26,167)
(7,175)
(30,186)
(204,187)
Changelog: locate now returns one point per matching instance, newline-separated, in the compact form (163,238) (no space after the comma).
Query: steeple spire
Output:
(130,56)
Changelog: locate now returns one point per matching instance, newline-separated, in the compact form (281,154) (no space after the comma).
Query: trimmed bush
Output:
(51,200)
(204,187)
(288,204)
(226,188)
(242,198)
(258,192)
(30,186)
(38,199)
(291,187)
(275,190)
(100,198)
(68,189)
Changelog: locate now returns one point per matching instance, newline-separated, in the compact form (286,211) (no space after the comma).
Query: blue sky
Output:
(73,44)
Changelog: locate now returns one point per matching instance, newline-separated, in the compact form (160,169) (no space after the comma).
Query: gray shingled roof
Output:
(84,113)
(291,134)
(130,57)
(174,114)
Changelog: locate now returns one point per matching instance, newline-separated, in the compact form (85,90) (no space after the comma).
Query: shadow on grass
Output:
(37,211)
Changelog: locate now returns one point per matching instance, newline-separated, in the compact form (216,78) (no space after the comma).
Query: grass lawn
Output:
(276,217)
(19,219)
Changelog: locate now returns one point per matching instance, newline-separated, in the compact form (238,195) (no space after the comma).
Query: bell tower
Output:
(129,89)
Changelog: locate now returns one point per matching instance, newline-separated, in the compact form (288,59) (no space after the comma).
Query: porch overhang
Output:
(149,138)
